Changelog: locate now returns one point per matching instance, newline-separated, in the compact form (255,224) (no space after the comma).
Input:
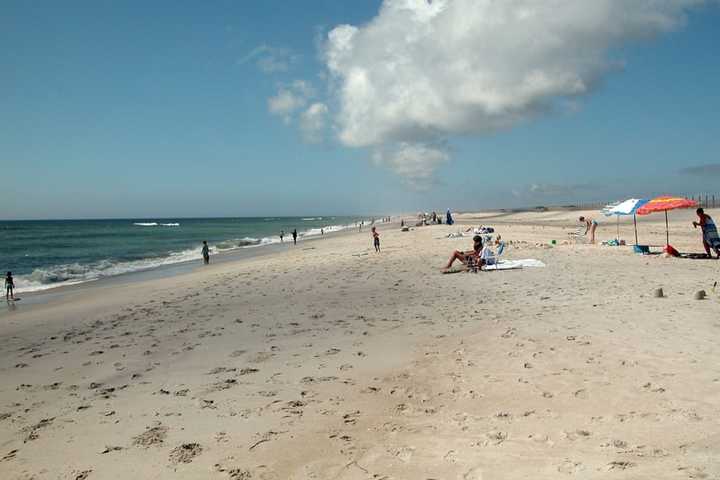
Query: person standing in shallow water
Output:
(294,234)
(205,252)
(282,234)
(9,287)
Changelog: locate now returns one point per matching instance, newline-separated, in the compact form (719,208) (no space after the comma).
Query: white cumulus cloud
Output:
(313,121)
(424,70)
(415,162)
(290,98)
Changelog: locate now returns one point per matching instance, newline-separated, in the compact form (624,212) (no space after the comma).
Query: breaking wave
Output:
(155,224)
(75,273)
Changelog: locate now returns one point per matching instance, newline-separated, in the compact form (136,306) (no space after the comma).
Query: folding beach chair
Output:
(495,258)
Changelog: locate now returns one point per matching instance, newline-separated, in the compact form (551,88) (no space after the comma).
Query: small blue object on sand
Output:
(644,249)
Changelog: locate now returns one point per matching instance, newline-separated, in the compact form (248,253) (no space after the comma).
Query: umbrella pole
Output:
(667,230)
(635,223)
(618,228)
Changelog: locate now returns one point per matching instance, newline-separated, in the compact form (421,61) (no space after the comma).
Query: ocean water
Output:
(49,253)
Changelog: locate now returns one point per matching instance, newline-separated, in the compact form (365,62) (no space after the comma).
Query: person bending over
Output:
(590,226)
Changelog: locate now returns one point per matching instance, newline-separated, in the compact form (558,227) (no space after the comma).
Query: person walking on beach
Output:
(205,252)
(376,239)
(322,231)
(710,237)
(282,234)
(9,287)
(294,234)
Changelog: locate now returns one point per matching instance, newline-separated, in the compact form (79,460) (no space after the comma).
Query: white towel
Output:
(513,264)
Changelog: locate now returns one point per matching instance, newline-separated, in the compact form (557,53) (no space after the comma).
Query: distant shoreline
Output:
(180,268)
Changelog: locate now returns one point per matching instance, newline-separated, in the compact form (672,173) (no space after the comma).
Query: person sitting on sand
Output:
(376,239)
(9,286)
(711,240)
(590,226)
(465,256)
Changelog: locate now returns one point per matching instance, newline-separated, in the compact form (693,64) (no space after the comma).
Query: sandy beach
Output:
(329,361)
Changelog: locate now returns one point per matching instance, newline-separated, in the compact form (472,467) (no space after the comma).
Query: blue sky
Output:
(146,109)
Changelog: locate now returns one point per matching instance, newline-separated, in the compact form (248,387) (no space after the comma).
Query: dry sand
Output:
(329,361)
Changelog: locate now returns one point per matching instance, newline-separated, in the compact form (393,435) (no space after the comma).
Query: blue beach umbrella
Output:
(628,207)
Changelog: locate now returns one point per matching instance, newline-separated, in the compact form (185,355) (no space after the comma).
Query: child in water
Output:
(9,286)
(376,239)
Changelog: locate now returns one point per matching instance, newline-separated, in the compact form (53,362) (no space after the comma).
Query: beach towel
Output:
(710,233)
(514,264)
(696,256)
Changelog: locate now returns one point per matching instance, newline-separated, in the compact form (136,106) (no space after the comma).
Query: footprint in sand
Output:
(234,473)
(9,456)
(473,474)
(577,434)
(404,454)
(493,438)
(32,431)
(619,465)
(185,453)
(111,448)
(151,436)
(569,467)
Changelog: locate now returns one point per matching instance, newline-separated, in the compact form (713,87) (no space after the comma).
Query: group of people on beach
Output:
(481,255)
(206,249)
(710,237)
(294,235)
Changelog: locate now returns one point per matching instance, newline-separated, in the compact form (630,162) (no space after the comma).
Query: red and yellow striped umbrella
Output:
(663,204)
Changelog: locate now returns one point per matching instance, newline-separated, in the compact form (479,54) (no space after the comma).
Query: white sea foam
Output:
(155,224)
(75,273)
(71,274)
